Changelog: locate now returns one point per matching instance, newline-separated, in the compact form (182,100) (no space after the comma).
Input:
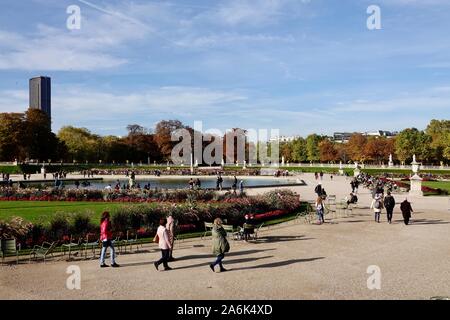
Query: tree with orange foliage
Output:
(355,147)
(328,151)
(378,149)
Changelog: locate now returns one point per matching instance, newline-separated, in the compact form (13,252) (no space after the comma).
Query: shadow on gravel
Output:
(231,254)
(225,262)
(355,221)
(211,257)
(425,221)
(278,264)
(271,239)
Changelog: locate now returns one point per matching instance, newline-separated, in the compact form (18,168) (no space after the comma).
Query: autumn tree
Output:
(163,136)
(40,142)
(12,130)
(378,149)
(342,152)
(356,146)
(328,151)
(286,151)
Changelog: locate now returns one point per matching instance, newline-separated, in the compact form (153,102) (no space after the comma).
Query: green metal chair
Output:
(9,247)
(90,245)
(257,230)
(208,229)
(43,251)
(69,246)
(229,229)
(133,241)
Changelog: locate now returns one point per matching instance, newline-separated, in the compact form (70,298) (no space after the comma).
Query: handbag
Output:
(156,239)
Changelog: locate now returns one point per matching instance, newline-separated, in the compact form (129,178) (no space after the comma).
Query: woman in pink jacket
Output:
(163,239)
(106,240)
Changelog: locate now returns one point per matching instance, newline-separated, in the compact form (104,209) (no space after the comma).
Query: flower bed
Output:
(143,219)
(73,195)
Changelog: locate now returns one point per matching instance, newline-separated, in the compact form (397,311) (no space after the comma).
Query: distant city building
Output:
(381,133)
(344,137)
(40,94)
(285,138)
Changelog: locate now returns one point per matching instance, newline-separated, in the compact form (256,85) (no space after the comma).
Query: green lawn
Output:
(371,171)
(39,211)
(443,185)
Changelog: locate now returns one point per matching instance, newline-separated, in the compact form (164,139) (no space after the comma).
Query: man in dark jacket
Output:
(389,204)
(406,209)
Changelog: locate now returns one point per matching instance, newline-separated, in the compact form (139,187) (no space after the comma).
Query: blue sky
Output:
(301,66)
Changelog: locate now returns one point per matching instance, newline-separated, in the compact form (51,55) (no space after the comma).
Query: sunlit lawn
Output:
(41,211)
(443,185)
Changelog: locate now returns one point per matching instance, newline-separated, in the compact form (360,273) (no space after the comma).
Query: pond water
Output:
(182,183)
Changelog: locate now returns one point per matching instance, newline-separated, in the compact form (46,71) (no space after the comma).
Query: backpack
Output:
(377,204)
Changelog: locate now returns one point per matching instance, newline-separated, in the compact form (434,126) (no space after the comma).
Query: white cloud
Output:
(59,49)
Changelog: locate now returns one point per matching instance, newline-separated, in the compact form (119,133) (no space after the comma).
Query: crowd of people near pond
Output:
(168,172)
(381,193)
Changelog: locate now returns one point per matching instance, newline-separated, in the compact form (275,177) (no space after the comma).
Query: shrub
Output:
(81,224)
(59,226)
(16,228)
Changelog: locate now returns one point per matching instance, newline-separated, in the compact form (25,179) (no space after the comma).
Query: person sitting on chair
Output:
(353,199)
(248,227)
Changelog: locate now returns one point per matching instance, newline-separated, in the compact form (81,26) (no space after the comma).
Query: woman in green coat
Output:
(220,244)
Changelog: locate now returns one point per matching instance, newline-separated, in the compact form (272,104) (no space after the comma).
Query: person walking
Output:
(220,244)
(389,204)
(233,187)
(241,187)
(320,210)
(406,209)
(377,205)
(163,240)
(170,226)
(106,240)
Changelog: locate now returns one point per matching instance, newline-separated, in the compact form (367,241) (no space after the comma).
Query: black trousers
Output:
(389,213)
(165,255)
(406,219)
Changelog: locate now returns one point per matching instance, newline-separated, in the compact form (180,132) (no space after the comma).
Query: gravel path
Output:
(293,261)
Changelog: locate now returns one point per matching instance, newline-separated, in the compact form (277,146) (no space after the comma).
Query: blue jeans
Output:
(320,215)
(105,245)
(219,260)
(377,216)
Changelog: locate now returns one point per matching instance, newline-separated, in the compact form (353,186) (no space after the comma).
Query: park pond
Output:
(181,183)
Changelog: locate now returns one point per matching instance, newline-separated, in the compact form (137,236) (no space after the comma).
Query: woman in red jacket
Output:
(106,239)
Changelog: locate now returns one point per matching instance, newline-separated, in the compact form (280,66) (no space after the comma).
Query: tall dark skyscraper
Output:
(41,94)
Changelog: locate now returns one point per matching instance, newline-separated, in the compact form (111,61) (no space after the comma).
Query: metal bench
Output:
(208,228)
